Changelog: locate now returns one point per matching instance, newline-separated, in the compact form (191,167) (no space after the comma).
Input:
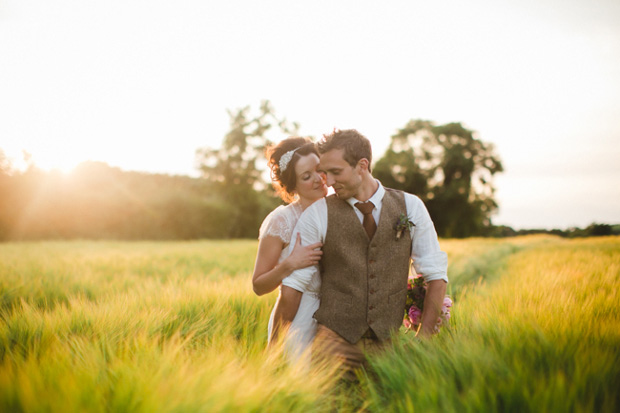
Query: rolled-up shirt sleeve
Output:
(427,257)
(309,226)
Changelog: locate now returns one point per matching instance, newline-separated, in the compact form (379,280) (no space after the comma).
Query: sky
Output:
(142,84)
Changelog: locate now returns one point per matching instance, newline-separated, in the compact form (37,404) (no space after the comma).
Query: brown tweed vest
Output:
(364,282)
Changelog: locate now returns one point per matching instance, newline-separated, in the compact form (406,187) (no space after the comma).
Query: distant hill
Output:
(97,201)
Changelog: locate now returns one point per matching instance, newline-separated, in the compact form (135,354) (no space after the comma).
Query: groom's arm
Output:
(435,293)
(312,227)
(429,260)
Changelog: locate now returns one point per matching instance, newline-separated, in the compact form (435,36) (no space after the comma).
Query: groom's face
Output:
(344,178)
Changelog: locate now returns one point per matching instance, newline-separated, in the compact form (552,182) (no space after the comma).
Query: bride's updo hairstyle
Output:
(285,181)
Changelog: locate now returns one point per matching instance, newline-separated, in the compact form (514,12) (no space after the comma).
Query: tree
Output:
(233,172)
(449,168)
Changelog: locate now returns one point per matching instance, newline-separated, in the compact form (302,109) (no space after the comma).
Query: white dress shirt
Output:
(427,257)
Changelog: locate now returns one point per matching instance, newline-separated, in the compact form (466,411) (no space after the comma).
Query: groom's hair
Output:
(356,146)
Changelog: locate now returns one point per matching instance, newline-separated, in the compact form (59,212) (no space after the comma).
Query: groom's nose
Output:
(329,180)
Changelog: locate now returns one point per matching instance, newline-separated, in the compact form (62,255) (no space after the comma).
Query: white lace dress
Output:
(280,223)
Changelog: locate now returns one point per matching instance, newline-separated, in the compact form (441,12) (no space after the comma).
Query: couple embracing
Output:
(339,260)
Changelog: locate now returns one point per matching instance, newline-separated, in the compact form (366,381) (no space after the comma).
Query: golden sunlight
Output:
(62,159)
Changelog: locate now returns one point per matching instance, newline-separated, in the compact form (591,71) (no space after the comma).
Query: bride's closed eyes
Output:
(309,175)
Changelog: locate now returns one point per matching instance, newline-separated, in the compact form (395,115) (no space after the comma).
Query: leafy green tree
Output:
(449,168)
(234,172)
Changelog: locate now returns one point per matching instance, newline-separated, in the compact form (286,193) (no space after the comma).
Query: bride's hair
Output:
(285,182)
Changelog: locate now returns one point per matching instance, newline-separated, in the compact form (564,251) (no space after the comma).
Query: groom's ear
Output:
(363,164)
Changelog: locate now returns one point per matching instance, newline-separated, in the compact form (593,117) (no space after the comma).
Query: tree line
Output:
(448,166)
(97,201)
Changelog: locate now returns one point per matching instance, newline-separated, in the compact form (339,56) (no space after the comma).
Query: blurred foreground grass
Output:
(142,327)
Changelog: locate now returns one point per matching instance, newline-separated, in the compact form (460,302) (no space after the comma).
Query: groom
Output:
(365,264)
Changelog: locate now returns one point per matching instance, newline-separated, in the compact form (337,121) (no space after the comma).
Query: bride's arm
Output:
(286,310)
(268,274)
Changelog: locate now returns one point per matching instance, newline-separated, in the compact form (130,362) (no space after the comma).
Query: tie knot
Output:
(365,207)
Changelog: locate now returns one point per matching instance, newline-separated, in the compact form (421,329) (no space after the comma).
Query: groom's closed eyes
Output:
(333,171)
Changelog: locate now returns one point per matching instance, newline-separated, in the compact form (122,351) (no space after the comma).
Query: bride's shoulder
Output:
(318,207)
(282,212)
(280,222)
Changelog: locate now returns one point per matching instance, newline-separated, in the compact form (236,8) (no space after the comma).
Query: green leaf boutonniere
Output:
(402,225)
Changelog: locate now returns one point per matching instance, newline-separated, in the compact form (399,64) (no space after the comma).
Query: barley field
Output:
(175,327)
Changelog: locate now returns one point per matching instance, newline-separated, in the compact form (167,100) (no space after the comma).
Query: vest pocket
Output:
(397,303)
(337,297)
(399,296)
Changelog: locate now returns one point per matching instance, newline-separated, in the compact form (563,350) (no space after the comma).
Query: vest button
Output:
(372,307)
(372,291)
(371,261)
(372,276)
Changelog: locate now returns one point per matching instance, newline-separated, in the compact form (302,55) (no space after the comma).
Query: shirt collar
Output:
(376,198)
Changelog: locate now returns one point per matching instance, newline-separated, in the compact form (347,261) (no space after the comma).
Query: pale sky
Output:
(142,84)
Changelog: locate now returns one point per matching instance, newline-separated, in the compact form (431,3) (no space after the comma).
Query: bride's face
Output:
(310,183)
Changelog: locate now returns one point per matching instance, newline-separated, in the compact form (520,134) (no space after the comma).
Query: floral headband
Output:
(286,159)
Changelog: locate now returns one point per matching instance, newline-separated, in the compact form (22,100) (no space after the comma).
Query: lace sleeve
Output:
(277,224)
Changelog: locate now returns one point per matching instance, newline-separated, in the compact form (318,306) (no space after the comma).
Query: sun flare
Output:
(62,161)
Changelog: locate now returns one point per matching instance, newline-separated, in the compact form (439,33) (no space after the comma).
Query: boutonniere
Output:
(403,224)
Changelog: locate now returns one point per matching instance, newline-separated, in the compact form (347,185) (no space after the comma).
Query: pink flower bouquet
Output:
(416,291)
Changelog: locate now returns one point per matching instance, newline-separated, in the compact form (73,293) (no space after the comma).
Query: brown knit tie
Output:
(369,223)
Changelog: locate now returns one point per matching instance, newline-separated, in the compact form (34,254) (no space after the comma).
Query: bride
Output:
(293,163)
